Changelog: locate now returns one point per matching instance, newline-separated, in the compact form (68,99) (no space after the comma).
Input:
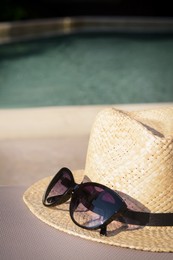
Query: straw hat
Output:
(131,152)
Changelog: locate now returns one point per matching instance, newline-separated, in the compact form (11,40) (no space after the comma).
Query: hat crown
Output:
(132,152)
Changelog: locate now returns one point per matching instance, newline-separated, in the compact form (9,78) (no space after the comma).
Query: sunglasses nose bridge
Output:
(74,188)
(66,196)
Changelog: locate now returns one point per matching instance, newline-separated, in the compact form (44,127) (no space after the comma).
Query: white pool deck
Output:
(36,142)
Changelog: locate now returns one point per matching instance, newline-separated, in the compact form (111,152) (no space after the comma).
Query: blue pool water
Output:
(87,69)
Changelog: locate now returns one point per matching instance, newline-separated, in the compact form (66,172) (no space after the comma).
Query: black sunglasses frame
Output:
(71,193)
(124,214)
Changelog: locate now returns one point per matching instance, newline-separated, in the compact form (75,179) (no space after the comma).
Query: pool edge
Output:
(55,122)
(34,29)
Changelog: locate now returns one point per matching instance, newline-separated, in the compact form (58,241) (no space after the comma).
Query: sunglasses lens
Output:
(92,205)
(61,183)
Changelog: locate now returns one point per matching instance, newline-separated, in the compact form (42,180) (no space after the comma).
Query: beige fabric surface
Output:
(24,161)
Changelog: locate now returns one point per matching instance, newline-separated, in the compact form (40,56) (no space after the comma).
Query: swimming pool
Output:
(87,69)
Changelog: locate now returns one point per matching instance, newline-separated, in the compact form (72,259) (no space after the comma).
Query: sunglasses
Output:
(93,205)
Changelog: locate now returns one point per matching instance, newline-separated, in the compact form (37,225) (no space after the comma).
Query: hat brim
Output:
(156,239)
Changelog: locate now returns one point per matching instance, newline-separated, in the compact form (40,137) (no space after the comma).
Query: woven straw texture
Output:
(131,152)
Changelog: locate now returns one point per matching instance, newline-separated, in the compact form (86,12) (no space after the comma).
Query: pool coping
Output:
(57,122)
(34,29)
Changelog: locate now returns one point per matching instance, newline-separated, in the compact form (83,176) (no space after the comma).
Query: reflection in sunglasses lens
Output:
(92,206)
(60,187)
